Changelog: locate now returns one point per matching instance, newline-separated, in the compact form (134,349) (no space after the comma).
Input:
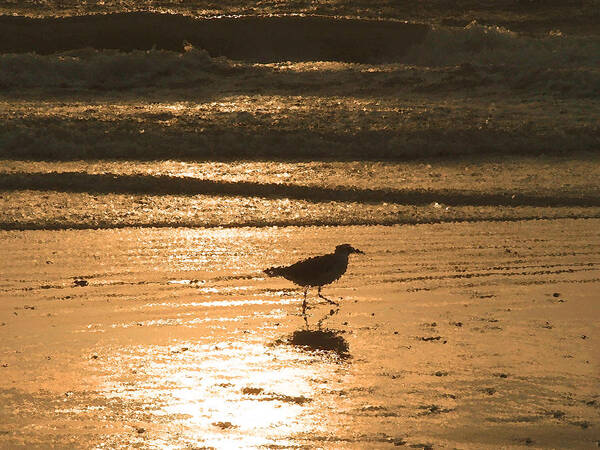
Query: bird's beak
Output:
(358,251)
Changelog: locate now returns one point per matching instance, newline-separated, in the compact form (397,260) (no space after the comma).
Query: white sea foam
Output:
(481,44)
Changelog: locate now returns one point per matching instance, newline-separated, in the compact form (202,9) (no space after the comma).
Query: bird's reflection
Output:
(320,339)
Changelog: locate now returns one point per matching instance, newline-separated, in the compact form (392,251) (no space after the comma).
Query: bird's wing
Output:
(311,271)
(314,265)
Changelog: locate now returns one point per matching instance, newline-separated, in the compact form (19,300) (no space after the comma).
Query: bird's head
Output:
(346,249)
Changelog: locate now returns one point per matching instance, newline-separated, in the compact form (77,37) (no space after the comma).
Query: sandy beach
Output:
(472,335)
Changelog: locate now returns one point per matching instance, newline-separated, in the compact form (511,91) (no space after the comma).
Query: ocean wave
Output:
(106,70)
(493,45)
(255,38)
(408,56)
(89,68)
(298,38)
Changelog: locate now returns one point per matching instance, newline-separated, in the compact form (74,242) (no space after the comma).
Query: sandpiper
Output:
(316,271)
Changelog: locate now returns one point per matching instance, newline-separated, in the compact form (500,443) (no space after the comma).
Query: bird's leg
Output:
(305,307)
(304,315)
(304,302)
(326,299)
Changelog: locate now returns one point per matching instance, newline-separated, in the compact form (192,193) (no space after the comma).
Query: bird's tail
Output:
(274,271)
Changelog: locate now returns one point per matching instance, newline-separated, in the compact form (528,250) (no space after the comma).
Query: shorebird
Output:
(316,271)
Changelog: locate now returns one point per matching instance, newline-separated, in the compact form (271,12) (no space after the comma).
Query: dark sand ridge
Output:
(152,185)
(262,38)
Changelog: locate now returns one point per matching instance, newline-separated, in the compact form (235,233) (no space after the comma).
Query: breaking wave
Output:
(138,50)
(89,68)
(255,38)
(484,45)
(298,38)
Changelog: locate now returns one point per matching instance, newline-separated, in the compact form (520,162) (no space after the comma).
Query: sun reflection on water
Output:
(232,394)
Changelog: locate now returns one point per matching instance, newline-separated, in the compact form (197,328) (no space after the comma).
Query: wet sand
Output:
(472,335)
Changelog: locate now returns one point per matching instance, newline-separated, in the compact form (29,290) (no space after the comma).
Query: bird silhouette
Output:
(316,271)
